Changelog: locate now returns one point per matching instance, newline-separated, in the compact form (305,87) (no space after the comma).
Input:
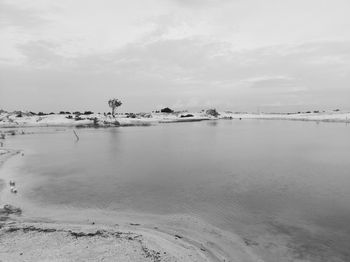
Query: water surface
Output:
(269,181)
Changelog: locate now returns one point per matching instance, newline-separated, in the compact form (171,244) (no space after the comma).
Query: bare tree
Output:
(114,103)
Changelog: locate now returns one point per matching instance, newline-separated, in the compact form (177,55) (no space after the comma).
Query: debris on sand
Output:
(13,190)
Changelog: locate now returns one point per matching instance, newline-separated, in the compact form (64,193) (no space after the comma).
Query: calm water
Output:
(257,178)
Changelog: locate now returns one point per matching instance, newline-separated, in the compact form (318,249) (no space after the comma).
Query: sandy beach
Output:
(15,120)
(118,237)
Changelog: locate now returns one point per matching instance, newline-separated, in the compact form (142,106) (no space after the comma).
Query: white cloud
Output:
(190,53)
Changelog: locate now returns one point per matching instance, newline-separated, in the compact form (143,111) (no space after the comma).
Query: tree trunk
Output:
(113,109)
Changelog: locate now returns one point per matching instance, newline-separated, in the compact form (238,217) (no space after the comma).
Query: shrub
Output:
(130,115)
(167,110)
(62,113)
(77,118)
(41,114)
(188,115)
(212,112)
(95,121)
(88,113)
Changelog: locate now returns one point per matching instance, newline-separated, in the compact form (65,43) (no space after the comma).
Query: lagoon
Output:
(283,186)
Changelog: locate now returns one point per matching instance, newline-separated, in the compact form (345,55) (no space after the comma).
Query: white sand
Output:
(318,117)
(8,120)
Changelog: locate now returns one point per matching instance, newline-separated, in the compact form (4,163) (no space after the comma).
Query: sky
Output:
(238,55)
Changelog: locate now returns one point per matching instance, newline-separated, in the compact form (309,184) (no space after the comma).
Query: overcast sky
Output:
(187,54)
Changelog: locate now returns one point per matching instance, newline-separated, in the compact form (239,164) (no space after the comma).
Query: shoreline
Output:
(11,120)
(121,237)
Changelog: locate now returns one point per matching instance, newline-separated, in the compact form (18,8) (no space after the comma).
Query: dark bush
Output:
(52,113)
(188,115)
(76,113)
(95,121)
(32,113)
(316,111)
(62,113)
(212,112)
(77,118)
(88,113)
(130,115)
(167,110)
(69,117)
(68,113)
(41,114)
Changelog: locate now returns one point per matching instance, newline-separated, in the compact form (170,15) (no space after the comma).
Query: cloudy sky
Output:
(236,55)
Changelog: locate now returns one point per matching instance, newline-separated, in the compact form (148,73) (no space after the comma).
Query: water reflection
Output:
(255,177)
